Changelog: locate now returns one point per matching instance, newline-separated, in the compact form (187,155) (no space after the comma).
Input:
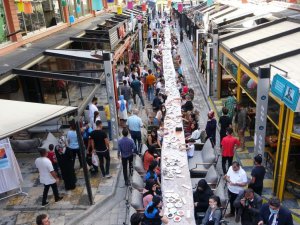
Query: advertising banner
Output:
(10,173)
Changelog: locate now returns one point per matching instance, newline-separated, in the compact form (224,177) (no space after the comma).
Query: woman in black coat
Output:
(201,196)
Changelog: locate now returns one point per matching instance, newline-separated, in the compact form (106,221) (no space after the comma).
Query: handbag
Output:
(95,159)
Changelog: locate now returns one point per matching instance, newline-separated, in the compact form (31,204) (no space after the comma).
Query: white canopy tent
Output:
(17,115)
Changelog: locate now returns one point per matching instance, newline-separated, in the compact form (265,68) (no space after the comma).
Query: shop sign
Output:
(261,110)
(285,90)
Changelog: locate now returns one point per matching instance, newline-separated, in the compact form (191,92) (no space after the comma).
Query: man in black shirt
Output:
(188,106)
(258,175)
(149,51)
(100,145)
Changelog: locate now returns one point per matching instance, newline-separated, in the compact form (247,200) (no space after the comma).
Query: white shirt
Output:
(191,151)
(44,166)
(158,85)
(92,109)
(195,134)
(236,177)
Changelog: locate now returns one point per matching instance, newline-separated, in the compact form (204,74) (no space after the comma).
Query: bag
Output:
(95,159)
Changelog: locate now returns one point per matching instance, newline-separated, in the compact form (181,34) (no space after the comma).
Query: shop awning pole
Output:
(140,41)
(110,89)
(84,164)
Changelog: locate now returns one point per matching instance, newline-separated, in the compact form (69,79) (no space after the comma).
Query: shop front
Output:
(241,54)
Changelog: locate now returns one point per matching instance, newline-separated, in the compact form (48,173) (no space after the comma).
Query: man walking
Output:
(228,145)
(48,177)
(100,144)
(258,175)
(135,124)
(136,90)
(92,109)
(150,81)
(247,205)
(237,179)
(126,92)
(125,150)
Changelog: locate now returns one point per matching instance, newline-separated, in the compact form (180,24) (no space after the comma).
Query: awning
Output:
(17,115)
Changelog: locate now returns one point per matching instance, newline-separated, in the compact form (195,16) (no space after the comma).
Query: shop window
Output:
(228,84)
(3,25)
(228,65)
(273,110)
(296,126)
(34,15)
(249,85)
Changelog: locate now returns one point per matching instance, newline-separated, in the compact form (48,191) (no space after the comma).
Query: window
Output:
(249,85)
(3,25)
(273,110)
(36,15)
(228,65)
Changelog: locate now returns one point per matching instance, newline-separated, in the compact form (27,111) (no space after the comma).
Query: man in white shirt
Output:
(135,124)
(48,177)
(92,109)
(237,180)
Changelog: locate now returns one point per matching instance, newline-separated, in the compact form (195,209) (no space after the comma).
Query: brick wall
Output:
(12,19)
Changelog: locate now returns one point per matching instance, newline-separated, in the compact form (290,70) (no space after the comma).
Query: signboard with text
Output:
(286,91)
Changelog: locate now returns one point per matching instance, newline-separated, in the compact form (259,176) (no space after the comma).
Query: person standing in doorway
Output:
(100,144)
(48,177)
(236,178)
(228,144)
(258,175)
(92,109)
(242,124)
(135,125)
(126,147)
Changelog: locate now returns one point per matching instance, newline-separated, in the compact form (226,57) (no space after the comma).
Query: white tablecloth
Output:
(173,149)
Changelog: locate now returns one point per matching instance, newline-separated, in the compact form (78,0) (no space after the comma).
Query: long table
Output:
(176,183)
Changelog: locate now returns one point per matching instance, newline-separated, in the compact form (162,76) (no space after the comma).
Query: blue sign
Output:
(286,91)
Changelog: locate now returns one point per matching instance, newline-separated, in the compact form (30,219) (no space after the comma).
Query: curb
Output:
(93,208)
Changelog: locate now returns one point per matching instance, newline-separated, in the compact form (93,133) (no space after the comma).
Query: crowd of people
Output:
(245,204)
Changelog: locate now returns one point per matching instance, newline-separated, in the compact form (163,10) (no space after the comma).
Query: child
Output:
(52,157)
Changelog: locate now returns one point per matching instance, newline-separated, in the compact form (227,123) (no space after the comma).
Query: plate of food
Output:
(173,210)
(177,218)
(180,213)
(168,195)
(175,195)
(170,215)
(178,204)
(170,205)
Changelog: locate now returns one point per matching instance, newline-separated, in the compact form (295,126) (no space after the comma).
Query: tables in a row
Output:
(176,182)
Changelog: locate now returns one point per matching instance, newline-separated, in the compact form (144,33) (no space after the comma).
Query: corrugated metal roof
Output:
(233,15)
(222,12)
(291,65)
(270,48)
(259,34)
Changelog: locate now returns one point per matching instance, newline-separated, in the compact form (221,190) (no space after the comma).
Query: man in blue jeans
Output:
(135,125)
(136,89)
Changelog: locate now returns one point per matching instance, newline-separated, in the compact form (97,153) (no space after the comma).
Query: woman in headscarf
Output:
(185,90)
(151,173)
(149,192)
(201,196)
(122,109)
(211,127)
(64,158)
